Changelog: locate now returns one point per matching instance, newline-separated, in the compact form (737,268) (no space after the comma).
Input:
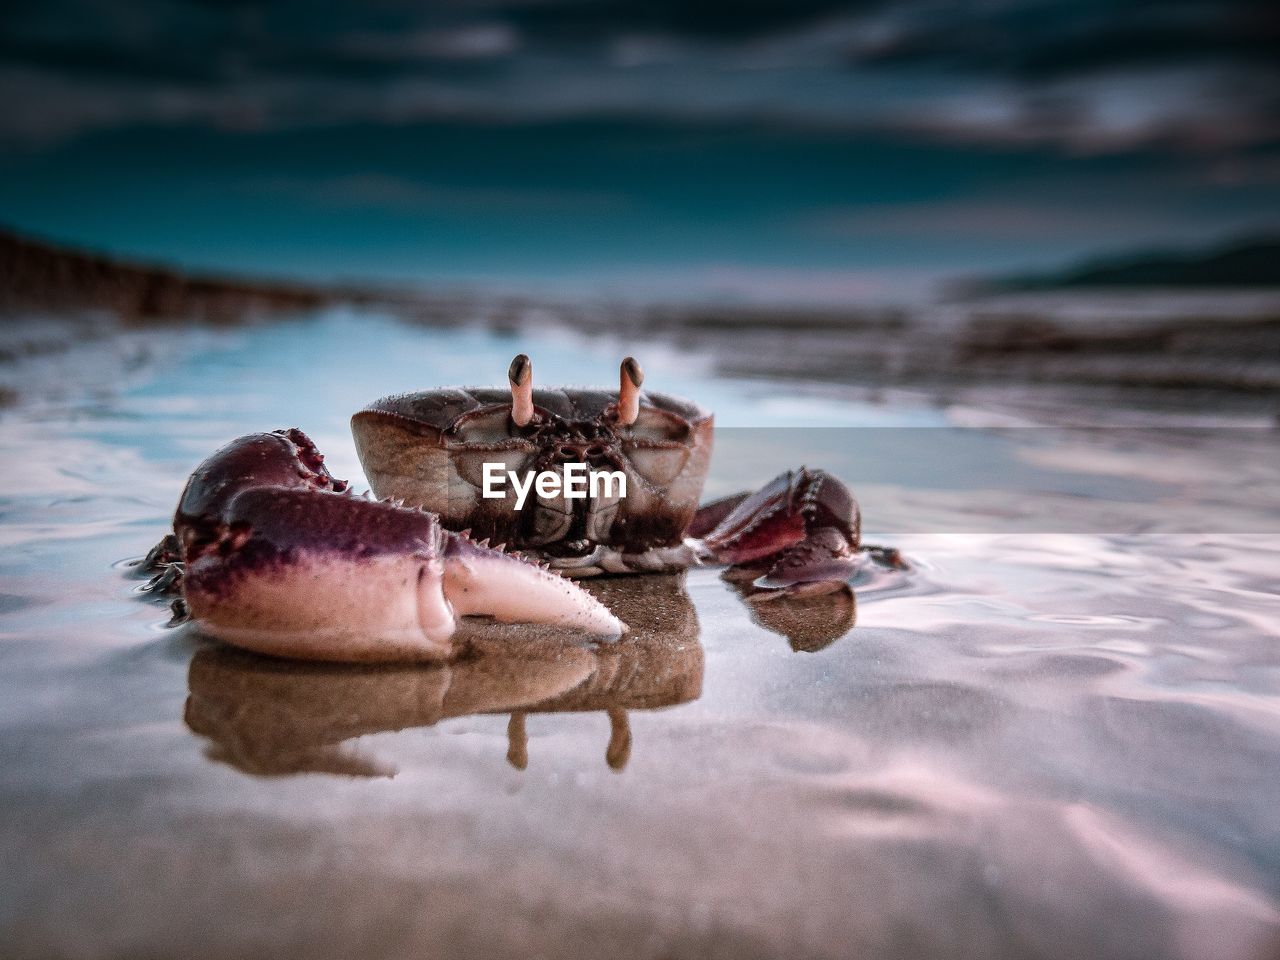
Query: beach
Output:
(1056,735)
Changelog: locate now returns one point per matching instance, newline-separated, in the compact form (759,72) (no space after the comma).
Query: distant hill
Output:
(1253,262)
(39,276)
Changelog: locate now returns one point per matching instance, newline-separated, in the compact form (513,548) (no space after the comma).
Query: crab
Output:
(273,554)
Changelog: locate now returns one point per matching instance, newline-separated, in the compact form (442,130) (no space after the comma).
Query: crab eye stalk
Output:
(520,373)
(629,392)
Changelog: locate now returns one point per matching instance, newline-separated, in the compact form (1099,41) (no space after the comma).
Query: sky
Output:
(802,150)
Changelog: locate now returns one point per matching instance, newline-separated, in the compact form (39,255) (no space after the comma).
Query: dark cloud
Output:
(1081,75)
(711,20)
(1041,41)
(74,57)
(193,43)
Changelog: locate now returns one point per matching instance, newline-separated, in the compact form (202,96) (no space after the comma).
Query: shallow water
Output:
(1057,736)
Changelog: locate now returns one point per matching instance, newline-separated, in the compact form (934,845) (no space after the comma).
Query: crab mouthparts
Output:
(572,549)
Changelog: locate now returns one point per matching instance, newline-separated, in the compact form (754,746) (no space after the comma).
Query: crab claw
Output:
(487,582)
(281,559)
(799,534)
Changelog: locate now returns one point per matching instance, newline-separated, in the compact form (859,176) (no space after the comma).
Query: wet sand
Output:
(1057,736)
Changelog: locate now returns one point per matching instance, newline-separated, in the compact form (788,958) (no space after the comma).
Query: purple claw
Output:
(800,533)
(280,558)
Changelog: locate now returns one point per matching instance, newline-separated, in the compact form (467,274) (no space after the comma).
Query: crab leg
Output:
(710,515)
(800,534)
(280,558)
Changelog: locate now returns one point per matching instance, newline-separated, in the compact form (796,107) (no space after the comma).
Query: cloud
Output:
(1070,74)
(725,21)
(1182,109)
(1066,38)
(478,41)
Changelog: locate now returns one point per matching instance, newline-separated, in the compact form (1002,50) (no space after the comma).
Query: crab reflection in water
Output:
(271,716)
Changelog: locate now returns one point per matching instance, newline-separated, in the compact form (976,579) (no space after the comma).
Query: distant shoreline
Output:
(1240,263)
(1167,346)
